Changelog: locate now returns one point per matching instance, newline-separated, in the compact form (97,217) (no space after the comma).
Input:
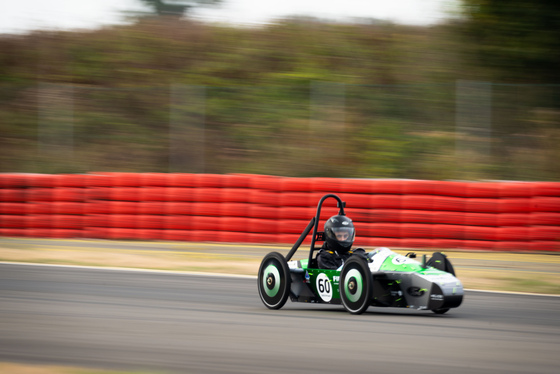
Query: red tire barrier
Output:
(419,187)
(447,243)
(10,232)
(512,245)
(99,193)
(179,208)
(389,186)
(325,185)
(384,230)
(263,226)
(153,194)
(128,221)
(359,186)
(154,180)
(513,234)
(480,219)
(263,211)
(73,208)
(514,219)
(40,221)
(353,201)
(125,194)
(14,221)
(265,182)
(71,180)
(231,237)
(180,194)
(122,207)
(40,207)
(544,219)
(417,243)
(480,233)
(262,238)
(150,207)
(296,199)
(237,181)
(68,194)
(483,189)
(125,179)
(517,189)
(177,235)
(210,180)
(174,222)
(543,245)
(182,180)
(478,244)
(546,189)
(236,195)
(206,209)
(199,223)
(515,205)
(384,202)
(416,230)
(482,205)
(236,209)
(38,194)
(545,204)
(63,221)
(419,202)
(208,194)
(14,208)
(295,184)
(418,216)
(450,189)
(10,181)
(448,203)
(293,213)
(449,231)
(545,233)
(265,197)
(144,221)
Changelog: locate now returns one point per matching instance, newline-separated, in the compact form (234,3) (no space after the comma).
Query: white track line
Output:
(223,275)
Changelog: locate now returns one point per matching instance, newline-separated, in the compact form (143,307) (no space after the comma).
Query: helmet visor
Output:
(344,235)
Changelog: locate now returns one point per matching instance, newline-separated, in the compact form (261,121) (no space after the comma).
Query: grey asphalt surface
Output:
(181,323)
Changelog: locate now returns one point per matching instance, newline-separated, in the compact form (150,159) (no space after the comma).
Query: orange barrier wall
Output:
(244,208)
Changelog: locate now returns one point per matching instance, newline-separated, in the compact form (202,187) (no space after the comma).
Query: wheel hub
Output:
(352,285)
(270,281)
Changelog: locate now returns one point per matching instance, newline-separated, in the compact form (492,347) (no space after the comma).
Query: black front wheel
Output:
(274,280)
(356,285)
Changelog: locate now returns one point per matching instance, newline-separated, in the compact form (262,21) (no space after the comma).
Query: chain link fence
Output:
(464,130)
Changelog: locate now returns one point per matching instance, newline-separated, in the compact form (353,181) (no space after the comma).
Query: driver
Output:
(339,237)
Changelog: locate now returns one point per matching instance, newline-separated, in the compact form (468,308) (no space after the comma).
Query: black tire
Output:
(274,280)
(441,262)
(356,285)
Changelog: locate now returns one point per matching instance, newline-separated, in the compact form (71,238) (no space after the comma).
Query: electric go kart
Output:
(381,278)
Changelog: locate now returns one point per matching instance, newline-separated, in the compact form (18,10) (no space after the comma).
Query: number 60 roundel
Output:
(324,287)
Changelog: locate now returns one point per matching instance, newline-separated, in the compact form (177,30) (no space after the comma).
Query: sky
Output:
(25,15)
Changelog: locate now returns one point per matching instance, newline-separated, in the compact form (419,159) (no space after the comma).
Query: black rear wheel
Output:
(356,285)
(274,280)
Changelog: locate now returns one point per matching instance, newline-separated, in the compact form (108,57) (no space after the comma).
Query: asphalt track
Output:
(185,323)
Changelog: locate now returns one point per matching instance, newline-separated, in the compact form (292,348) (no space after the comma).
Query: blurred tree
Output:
(518,39)
(176,7)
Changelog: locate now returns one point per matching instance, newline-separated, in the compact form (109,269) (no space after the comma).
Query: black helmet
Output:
(339,233)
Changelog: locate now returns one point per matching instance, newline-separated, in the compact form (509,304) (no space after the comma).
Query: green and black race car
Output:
(381,278)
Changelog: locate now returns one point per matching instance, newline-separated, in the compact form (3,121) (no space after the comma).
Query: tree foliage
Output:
(518,39)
